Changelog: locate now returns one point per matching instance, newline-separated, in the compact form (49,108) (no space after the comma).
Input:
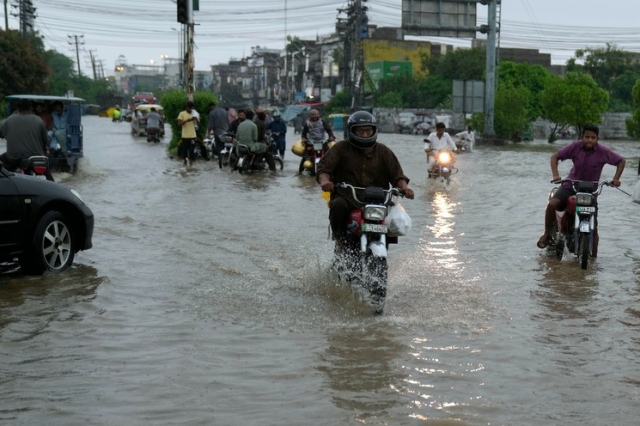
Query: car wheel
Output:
(52,245)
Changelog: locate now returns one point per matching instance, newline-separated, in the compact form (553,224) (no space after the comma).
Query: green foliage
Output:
(460,64)
(532,77)
(573,100)
(173,102)
(294,45)
(22,65)
(477,122)
(390,100)
(511,111)
(429,92)
(340,103)
(613,69)
(633,122)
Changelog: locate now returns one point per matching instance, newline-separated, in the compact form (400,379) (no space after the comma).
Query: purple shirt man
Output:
(588,165)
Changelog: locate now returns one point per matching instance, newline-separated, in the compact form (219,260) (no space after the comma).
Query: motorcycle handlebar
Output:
(393,191)
(598,189)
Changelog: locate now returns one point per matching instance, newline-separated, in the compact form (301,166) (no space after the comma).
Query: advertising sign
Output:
(439,18)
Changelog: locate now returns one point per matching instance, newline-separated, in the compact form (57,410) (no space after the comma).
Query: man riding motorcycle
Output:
(589,158)
(359,161)
(26,136)
(437,141)
(316,128)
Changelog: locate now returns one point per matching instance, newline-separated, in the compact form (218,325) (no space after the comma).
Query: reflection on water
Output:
(565,290)
(439,244)
(362,370)
(29,303)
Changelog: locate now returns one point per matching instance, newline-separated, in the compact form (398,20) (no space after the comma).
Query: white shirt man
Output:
(436,141)
(467,138)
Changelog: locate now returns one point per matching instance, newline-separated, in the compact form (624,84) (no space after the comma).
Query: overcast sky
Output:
(142,31)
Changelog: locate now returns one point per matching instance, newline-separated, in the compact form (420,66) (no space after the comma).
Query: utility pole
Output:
(93,64)
(26,15)
(490,84)
(78,40)
(6,16)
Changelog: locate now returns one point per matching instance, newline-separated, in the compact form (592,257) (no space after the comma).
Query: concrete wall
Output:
(612,126)
(388,118)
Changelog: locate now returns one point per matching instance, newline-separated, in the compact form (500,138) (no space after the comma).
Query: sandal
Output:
(542,242)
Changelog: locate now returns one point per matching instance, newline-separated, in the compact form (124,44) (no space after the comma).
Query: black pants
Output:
(339,209)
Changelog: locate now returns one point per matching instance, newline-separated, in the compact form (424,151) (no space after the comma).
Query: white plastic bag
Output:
(398,221)
(636,193)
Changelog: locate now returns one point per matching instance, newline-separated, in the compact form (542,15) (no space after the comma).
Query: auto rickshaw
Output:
(71,137)
(139,119)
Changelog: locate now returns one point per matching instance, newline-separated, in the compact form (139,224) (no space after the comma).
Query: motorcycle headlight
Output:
(583,199)
(444,157)
(375,212)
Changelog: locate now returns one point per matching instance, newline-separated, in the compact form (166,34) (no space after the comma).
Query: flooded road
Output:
(206,299)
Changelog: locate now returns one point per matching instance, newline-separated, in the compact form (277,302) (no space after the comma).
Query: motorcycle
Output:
(250,161)
(463,145)
(313,152)
(443,167)
(153,135)
(36,165)
(227,156)
(574,227)
(368,238)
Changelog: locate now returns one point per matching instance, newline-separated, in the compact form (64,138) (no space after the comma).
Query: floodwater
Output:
(207,300)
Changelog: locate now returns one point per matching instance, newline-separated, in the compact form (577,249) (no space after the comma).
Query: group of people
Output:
(362,161)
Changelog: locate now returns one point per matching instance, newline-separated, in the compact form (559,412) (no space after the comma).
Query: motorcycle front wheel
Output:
(583,250)
(375,279)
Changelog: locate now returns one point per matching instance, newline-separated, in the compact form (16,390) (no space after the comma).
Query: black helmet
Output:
(359,119)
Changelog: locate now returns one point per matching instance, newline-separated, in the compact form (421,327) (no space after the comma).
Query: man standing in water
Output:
(189,137)
(589,158)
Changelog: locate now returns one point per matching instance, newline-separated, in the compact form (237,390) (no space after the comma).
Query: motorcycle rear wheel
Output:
(583,250)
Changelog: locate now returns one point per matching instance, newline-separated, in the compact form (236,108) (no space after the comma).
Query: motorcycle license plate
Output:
(372,227)
(585,209)
(317,146)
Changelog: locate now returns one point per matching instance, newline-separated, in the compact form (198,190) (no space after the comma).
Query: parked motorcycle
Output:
(250,161)
(36,165)
(368,239)
(575,226)
(227,156)
(313,152)
(443,167)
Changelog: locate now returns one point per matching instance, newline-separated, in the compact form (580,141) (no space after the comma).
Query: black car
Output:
(43,224)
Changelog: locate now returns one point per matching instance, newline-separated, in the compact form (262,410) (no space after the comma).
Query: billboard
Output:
(439,18)
(468,96)
(383,69)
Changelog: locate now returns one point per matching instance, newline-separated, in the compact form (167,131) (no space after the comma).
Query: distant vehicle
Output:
(43,224)
(144,98)
(139,125)
(74,107)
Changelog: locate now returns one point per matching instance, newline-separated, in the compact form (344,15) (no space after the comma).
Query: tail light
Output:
(39,170)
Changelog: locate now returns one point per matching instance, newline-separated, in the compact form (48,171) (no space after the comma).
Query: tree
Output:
(24,69)
(532,77)
(511,111)
(633,122)
(460,64)
(339,103)
(574,100)
(390,100)
(612,69)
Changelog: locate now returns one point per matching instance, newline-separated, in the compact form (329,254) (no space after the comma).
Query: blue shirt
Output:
(59,121)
